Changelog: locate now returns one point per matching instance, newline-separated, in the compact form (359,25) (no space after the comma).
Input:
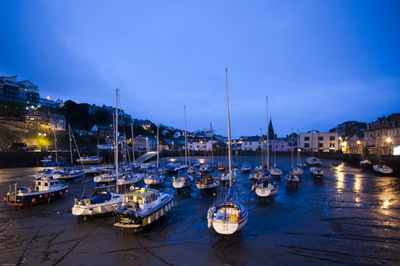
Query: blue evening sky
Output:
(320,62)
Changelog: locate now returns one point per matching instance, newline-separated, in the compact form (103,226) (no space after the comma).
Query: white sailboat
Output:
(157,176)
(102,202)
(183,179)
(275,171)
(228,216)
(296,170)
(263,185)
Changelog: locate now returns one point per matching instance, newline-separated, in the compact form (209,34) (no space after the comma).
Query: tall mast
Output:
(212,148)
(186,150)
(262,149)
(266,99)
(158,132)
(133,146)
(55,138)
(70,144)
(291,151)
(229,129)
(298,150)
(116,137)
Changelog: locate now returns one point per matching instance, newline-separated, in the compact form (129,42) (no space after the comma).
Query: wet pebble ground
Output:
(348,217)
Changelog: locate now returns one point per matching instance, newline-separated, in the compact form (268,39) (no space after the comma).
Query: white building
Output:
(200,145)
(316,141)
(250,143)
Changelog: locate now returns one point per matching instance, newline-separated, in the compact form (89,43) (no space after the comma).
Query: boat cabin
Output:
(45,184)
(141,198)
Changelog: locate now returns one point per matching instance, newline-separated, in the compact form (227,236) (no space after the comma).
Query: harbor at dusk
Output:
(200,133)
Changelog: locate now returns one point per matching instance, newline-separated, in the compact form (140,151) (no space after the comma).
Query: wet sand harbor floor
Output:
(349,217)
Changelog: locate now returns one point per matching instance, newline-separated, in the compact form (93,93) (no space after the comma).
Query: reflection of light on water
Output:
(172,159)
(358,199)
(386,204)
(340,181)
(202,160)
(357,183)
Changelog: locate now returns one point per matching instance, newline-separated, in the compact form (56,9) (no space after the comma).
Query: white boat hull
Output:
(96,209)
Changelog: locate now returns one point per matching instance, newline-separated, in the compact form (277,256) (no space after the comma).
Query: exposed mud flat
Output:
(349,217)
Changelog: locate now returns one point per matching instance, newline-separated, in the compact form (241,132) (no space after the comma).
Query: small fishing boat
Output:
(265,187)
(225,176)
(92,170)
(246,168)
(206,182)
(172,168)
(302,165)
(68,174)
(183,180)
(313,161)
(382,169)
(44,190)
(256,176)
(317,172)
(128,178)
(45,173)
(365,163)
(297,171)
(142,207)
(154,178)
(258,168)
(292,179)
(89,160)
(276,172)
(102,202)
(204,168)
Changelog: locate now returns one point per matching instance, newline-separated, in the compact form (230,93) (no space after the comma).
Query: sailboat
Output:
(104,201)
(228,216)
(155,177)
(276,172)
(292,178)
(184,179)
(263,185)
(297,170)
(259,169)
(381,168)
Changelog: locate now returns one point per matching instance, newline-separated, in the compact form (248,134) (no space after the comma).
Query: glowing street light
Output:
(388,140)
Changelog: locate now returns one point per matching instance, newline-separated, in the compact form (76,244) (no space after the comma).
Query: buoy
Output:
(58,212)
(4,199)
(33,200)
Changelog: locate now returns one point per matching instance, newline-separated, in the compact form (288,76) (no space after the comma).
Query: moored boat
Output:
(317,172)
(102,202)
(89,160)
(313,161)
(182,180)
(265,187)
(68,174)
(292,179)
(246,168)
(44,190)
(382,169)
(142,207)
